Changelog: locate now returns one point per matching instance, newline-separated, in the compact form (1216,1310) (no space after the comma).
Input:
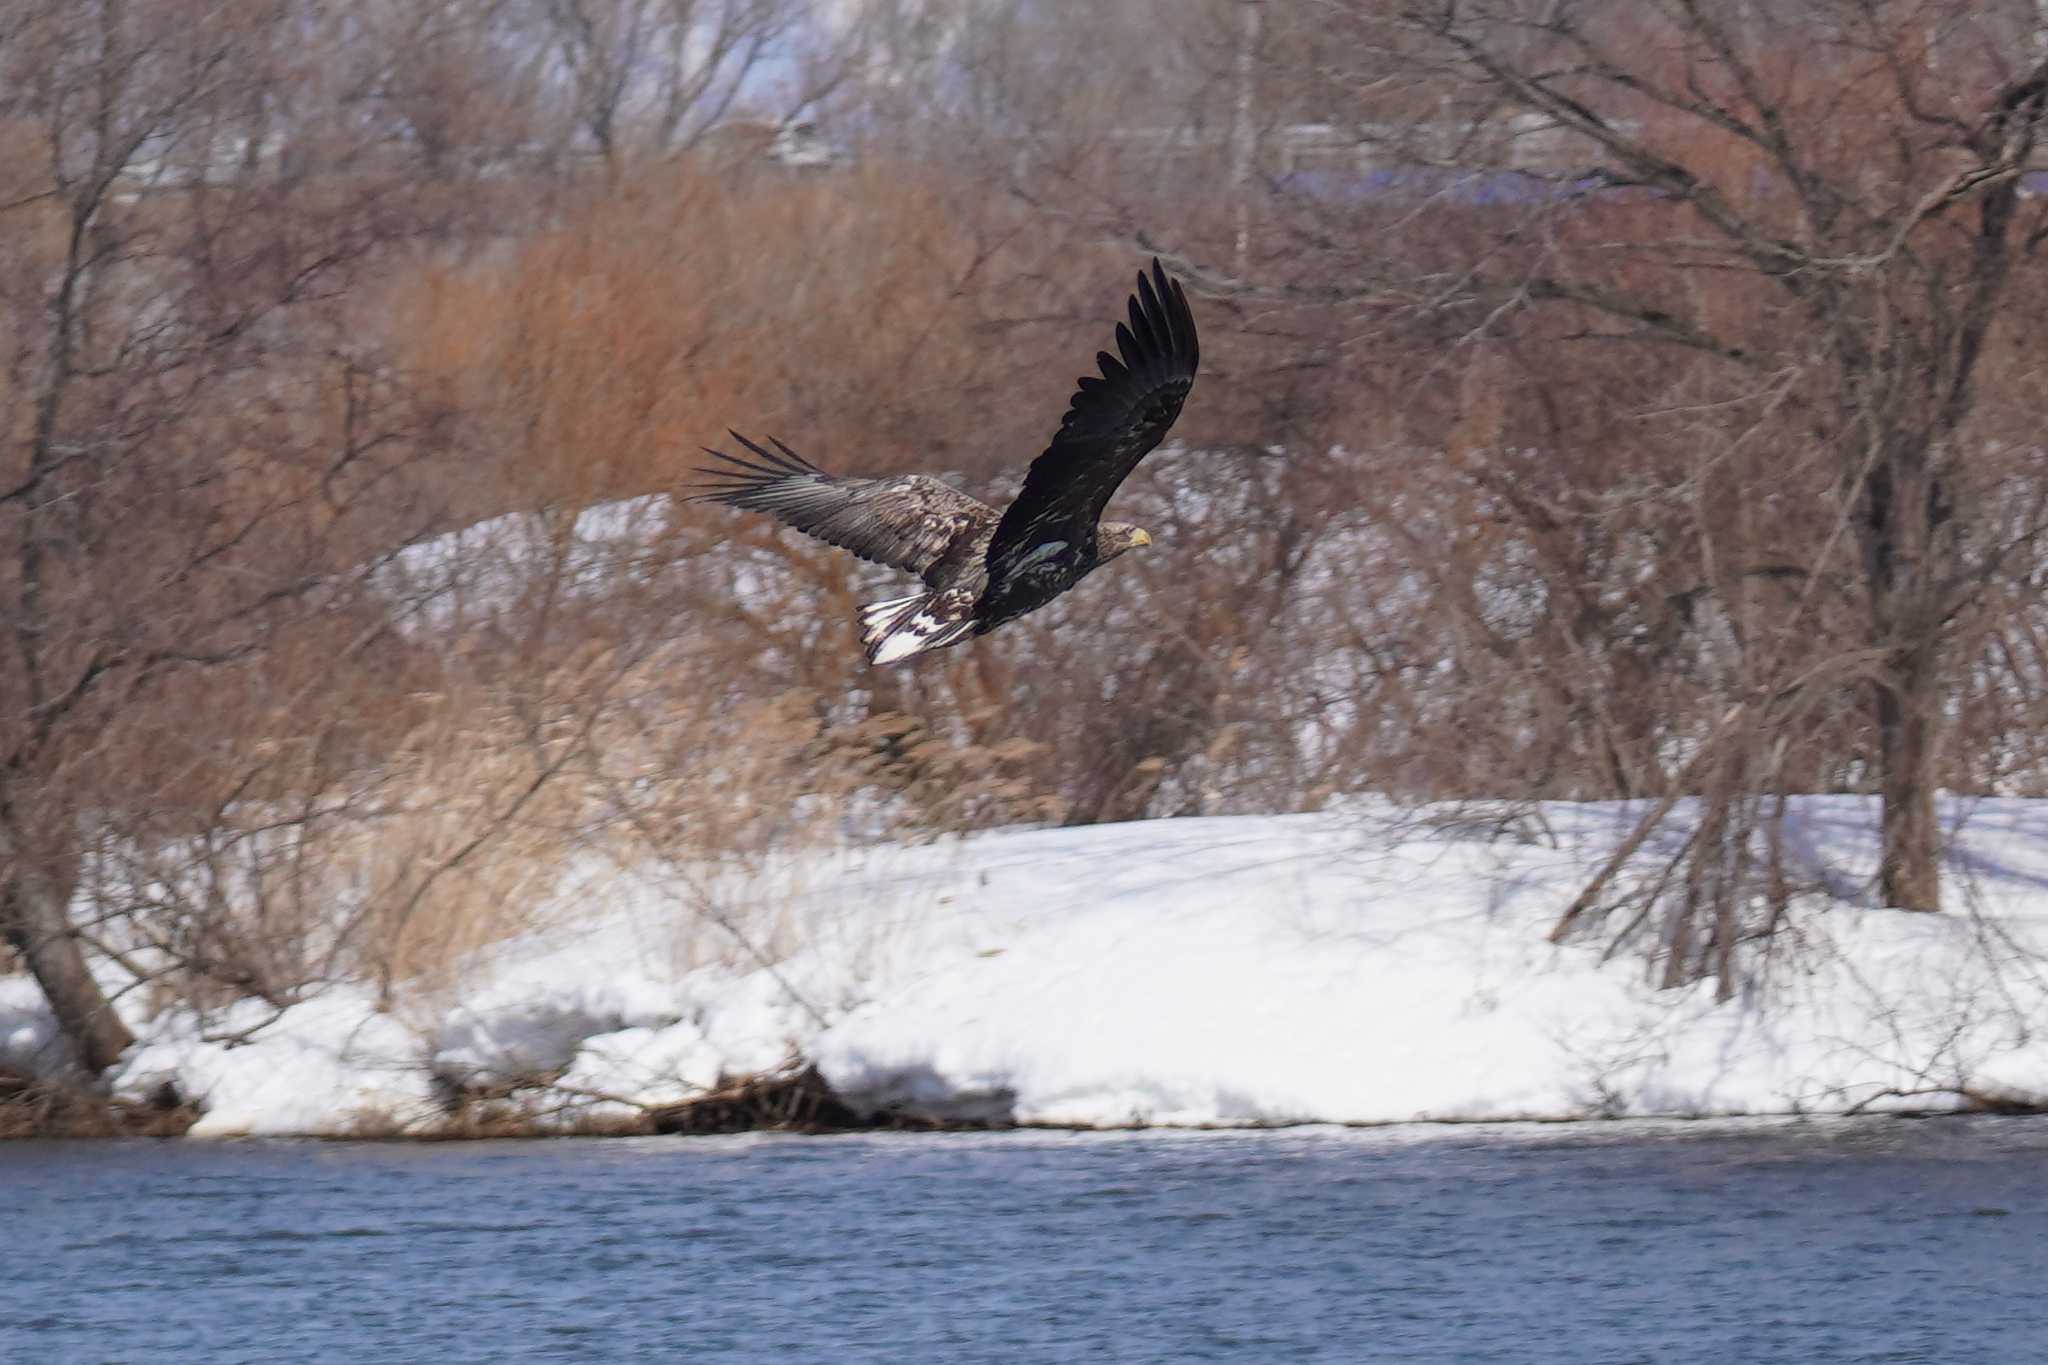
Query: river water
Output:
(1730,1243)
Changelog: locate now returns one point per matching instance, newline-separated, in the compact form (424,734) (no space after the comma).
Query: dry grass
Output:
(852,316)
(464,832)
(33,1107)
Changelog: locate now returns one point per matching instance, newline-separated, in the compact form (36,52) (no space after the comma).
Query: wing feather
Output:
(1111,423)
(907,523)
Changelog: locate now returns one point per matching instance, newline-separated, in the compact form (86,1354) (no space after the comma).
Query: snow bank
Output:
(331,1065)
(1213,971)
(28,1035)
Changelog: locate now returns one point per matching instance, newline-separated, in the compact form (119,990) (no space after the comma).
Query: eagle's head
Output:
(1112,538)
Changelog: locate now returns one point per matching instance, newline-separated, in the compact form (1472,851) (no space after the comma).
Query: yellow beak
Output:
(1141,537)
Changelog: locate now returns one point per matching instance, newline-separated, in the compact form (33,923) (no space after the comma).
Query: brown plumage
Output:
(982,566)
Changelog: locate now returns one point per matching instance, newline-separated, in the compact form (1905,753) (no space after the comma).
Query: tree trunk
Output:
(35,919)
(1909,874)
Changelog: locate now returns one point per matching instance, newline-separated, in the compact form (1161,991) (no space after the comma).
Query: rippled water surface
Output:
(1833,1241)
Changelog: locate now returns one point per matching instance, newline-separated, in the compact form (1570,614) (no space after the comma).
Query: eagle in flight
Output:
(980,566)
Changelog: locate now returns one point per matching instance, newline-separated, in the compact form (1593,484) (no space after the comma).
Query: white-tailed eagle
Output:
(982,567)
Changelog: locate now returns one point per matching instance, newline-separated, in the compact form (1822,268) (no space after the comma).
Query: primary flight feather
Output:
(982,567)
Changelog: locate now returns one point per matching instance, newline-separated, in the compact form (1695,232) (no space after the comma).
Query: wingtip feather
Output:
(1127,345)
(1149,327)
(792,457)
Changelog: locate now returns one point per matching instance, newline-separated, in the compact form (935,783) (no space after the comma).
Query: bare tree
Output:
(191,447)
(1678,357)
(1818,240)
(454,82)
(656,75)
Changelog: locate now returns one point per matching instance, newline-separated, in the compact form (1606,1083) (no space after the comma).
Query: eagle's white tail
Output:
(897,627)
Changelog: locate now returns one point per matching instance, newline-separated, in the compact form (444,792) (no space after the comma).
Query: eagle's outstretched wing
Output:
(907,523)
(1111,424)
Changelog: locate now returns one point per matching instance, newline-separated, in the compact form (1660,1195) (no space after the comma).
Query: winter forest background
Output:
(1601,401)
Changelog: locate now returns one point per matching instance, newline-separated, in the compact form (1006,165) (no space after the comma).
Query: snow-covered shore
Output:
(1242,970)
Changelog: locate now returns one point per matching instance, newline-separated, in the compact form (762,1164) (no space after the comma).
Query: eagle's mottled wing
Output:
(907,523)
(1111,424)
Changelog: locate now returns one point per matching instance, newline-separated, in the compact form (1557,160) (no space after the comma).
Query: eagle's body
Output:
(982,567)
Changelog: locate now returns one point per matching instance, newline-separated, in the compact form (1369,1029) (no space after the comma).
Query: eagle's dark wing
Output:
(907,523)
(1111,424)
